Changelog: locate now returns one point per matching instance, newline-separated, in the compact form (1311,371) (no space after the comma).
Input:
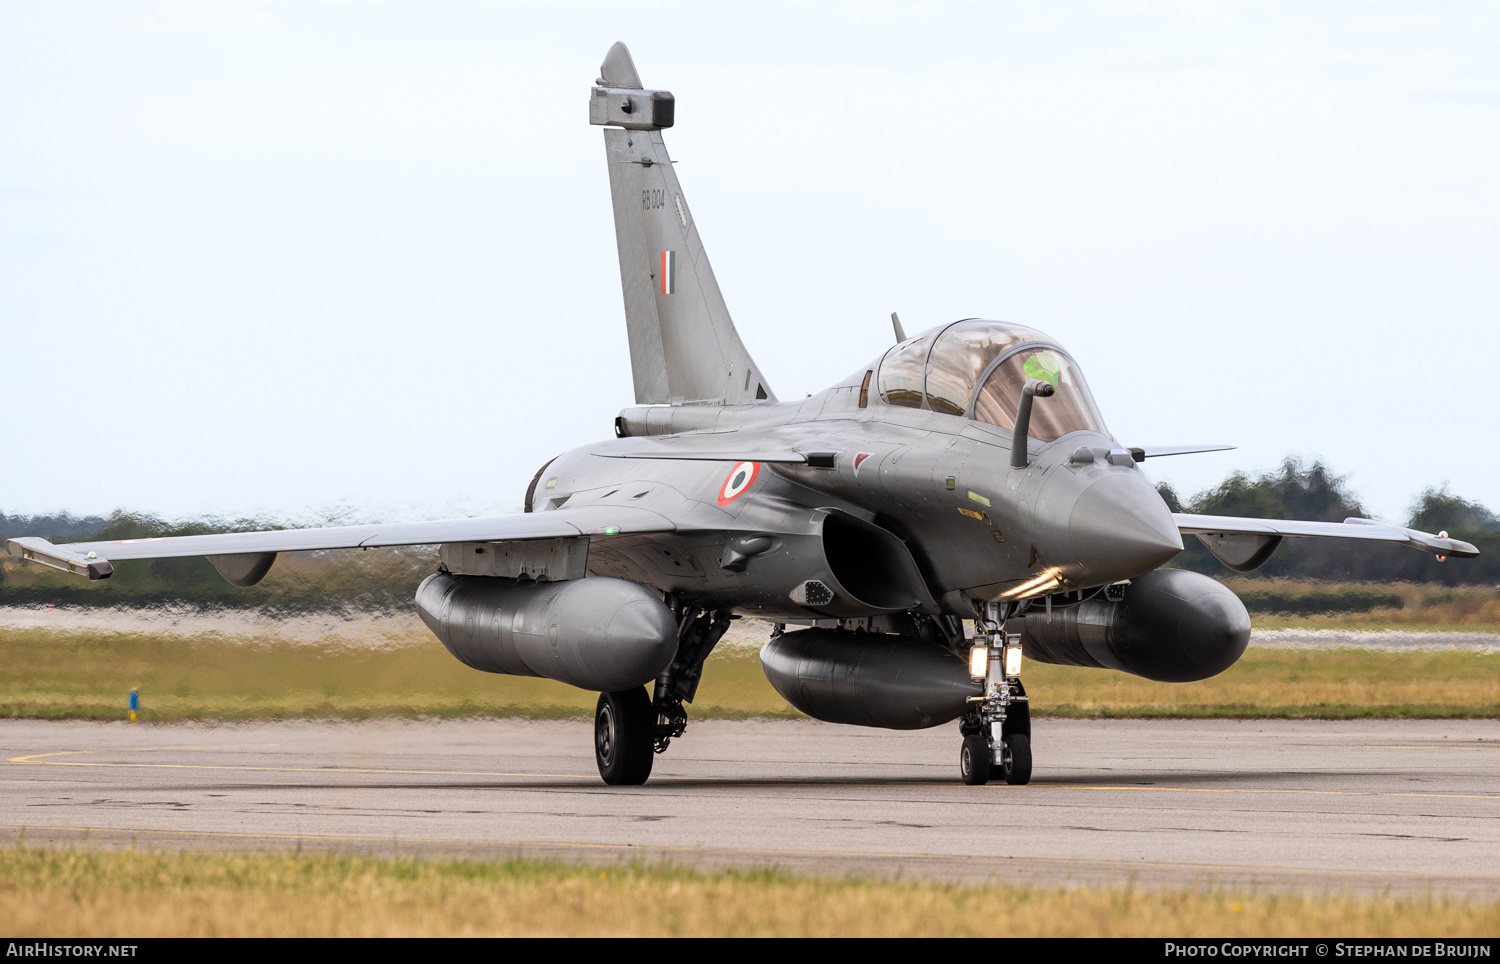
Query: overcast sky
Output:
(290,257)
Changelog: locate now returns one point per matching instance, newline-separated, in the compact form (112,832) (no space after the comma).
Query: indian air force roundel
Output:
(741,477)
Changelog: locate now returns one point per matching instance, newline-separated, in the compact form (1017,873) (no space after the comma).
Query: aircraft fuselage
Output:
(967,525)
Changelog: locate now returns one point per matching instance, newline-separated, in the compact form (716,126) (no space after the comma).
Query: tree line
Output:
(1315,493)
(299,581)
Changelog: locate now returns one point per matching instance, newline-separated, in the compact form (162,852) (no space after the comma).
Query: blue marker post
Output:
(135,703)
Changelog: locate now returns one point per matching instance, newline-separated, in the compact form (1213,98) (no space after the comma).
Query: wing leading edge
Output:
(93,559)
(1239,541)
(1364,529)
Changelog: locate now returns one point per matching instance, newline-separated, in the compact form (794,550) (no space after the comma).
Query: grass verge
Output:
(1411,606)
(89,675)
(50,893)
(1285,684)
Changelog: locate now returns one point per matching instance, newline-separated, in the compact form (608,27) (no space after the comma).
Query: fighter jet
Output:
(964,478)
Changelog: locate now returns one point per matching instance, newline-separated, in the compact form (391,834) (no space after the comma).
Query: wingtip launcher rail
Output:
(89,565)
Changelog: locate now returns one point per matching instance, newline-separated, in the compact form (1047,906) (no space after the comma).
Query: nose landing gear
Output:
(990,755)
(997,725)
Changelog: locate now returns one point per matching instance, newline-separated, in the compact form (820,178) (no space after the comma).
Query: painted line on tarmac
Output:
(1307,793)
(1434,746)
(35,759)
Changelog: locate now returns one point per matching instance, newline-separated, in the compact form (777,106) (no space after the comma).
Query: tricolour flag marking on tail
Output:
(668,273)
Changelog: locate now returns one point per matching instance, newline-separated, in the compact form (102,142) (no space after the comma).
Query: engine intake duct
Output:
(871,564)
(596,633)
(1172,626)
(868,679)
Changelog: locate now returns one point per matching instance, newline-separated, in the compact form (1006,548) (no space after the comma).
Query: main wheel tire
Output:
(974,761)
(625,737)
(1015,759)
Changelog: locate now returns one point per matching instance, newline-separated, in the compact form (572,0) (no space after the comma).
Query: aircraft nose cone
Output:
(1120,527)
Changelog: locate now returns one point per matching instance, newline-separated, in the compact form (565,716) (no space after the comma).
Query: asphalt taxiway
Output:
(1362,806)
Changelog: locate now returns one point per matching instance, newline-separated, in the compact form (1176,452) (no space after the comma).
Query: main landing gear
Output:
(630,727)
(997,725)
(624,734)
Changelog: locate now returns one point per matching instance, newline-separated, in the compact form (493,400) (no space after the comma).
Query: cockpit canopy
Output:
(977,369)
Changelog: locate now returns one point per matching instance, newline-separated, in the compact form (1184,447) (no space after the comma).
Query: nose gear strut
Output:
(997,724)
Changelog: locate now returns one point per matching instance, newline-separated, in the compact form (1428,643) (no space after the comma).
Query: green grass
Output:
(89,675)
(63,893)
(1408,606)
(1285,684)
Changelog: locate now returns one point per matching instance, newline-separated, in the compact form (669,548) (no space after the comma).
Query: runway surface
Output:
(1323,806)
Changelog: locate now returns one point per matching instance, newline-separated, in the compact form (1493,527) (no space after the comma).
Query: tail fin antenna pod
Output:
(683,346)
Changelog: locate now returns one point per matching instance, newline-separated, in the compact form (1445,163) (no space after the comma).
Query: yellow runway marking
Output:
(149,749)
(1434,746)
(36,760)
(200,766)
(1311,793)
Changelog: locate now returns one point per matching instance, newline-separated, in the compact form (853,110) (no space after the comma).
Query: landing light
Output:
(1013,661)
(979,661)
(1045,581)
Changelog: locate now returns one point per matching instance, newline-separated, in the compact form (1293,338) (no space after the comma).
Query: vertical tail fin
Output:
(683,346)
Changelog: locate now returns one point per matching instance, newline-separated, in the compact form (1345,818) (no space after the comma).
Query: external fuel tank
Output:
(1170,625)
(868,679)
(596,633)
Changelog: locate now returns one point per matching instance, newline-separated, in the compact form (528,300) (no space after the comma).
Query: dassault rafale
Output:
(965,478)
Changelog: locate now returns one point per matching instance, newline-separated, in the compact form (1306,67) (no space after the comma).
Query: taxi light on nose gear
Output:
(1012,661)
(979,661)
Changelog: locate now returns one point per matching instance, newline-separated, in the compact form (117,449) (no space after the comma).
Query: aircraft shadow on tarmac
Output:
(1165,779)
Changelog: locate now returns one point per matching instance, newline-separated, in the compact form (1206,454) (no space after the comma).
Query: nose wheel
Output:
(974,760)
(1015,759)
(979,761)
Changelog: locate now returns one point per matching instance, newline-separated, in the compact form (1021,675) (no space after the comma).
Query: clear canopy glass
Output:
(941,369)
(961,354)
(1070,408)
(901,372)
